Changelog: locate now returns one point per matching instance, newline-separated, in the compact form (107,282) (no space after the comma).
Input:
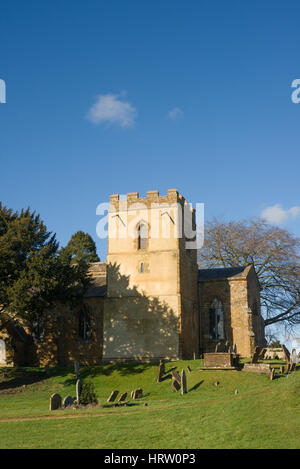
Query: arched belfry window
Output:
(216,320)
(84,324)
(142,236)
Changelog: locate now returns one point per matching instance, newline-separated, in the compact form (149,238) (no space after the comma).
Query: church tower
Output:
(151,307)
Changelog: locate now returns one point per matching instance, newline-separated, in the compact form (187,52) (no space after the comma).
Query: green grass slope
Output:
(263,413)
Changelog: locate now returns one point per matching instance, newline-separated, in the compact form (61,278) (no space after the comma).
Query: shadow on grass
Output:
(196,386)
(11,378)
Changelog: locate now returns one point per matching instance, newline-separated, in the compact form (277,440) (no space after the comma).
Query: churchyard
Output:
(210,409)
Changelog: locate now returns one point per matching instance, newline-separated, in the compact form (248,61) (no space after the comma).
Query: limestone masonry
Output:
(149,300)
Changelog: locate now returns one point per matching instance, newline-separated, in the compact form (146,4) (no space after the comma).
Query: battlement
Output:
(173,196)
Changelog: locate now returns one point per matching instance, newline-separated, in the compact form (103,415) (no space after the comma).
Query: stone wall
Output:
(243,323)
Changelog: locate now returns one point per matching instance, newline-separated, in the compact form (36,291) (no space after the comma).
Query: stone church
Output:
(149,300)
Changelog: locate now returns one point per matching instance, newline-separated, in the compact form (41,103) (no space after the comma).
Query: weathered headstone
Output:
(272,374)
(263,368)
(68,401)
(161,371)
(287,354)
(136,393)
(262,354)
(294,357)
(176,386)
(78,390)
(2,352)
(220,348)
(216,383)
(255,355)
(55,402)
(183,383)
(77,368)
(176,376)
(122,397)
(112,396)
(236,392)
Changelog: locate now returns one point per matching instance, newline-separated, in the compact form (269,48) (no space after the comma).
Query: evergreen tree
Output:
(32,273)
(81,248)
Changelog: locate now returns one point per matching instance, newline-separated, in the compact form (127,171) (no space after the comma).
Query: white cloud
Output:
(112,109)
(277,215)
(175,113)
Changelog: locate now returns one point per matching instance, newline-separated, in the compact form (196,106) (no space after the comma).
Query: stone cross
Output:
(183,383)
(55,402)
(113,396)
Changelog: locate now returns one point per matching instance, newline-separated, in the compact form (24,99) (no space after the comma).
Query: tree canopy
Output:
(81,248)
(273,251)
(32,272)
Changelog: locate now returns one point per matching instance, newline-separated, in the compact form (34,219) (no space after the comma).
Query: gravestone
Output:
(216,383)
(77,368)
(227,347)
(281,370)
(220,348)
(218,360)
(78,390)
(262,354)
(2,352)
(136,394)
(176,386)
(287,354)
(176,376)
(255,355)
(183,383)
(113,396)
(272,374)
(68,401)
(161,371)
(263,368)
(295,358)
(55,402)
(122,397)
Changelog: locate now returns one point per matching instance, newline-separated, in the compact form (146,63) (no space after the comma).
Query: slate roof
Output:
(204,275)
(97,287)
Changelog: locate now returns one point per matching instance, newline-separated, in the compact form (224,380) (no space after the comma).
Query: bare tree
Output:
(275,255)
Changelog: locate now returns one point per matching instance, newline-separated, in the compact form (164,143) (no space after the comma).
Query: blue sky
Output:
(119,96)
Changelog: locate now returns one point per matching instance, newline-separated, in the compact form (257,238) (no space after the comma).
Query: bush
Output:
(88,394)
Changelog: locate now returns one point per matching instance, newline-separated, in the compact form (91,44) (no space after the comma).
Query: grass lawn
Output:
(263,413)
